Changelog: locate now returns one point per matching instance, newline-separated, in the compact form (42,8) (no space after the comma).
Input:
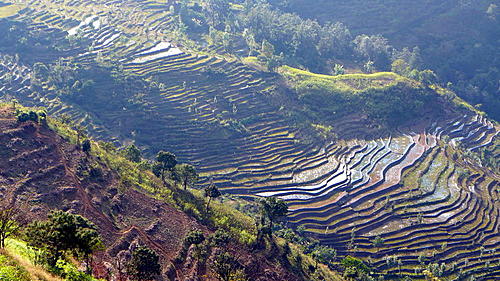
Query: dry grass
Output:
(8,11)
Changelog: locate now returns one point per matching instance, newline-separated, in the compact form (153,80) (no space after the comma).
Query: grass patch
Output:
(10,270)
(386,98)
(20,263)
(351,83)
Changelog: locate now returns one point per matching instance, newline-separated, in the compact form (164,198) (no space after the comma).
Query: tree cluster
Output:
(279,37)
(64,234)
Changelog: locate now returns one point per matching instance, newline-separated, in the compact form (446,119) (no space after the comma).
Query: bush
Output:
(195,237)
(10,271)
(70,273)
(86,146)
(144,264)
(23,117)
(352,262)
(220,238)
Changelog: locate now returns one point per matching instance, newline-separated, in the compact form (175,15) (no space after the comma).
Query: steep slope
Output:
(40,171)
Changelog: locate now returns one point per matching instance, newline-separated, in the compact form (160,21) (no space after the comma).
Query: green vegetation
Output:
(226,267)
(18,261)
(456,40)
(186,174)
(165,163)
(10,270)
(8,223)
(387,98)
(144,264)
(211,192)
(24,115)
(250,131)
(273,209)
(62,234)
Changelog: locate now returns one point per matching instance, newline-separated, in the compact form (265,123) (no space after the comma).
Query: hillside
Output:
(391,166)
(456,39)
(41,171)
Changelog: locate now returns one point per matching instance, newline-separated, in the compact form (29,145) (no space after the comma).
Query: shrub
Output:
(144,264)
(10,271)
(195,237)
(86,146)
(70,273)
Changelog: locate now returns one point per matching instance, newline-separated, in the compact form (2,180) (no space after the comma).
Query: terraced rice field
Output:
(411,188)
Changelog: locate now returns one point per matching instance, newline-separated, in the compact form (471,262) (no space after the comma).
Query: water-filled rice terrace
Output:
(412,188)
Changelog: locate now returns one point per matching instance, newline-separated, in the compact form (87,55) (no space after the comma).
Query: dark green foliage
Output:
(166,162)
(324,254)
(186,174)
(33,116)
(24,116)
(144,264)
(374,48)
(211,192)
(216,12)
(357,264)
(133,153)
(64,233)
(167,159)
(273,209)
(194,237)
(95,173)
(157,169)
(225,265)
(220,238)
(86,146)
(8,224)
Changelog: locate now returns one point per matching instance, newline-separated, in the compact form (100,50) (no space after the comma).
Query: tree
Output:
(86,146)
(225,265)
(355,263)
(167,161)
(211,191)
(273,209)
(335,40)
(144,264)
(64,233)
(427,77)
(186,174)
(8,224)
(80,132)
(133,153)
(338,69)
(324,254)
(378,242)
(401,67)
(373,48)
(216,12)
